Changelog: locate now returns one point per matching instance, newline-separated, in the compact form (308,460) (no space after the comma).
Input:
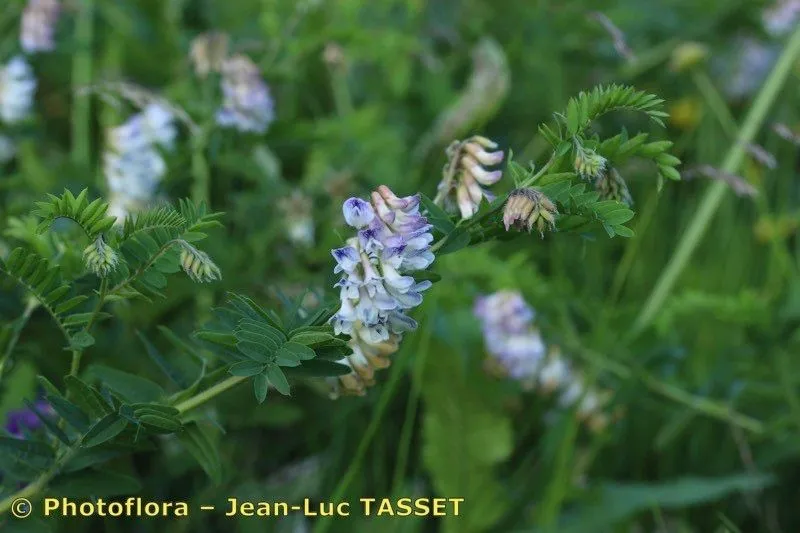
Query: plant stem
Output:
(716,191)
(413,404)
(12,342)
(324,523)
(82,77)
(78,354)
(203,397)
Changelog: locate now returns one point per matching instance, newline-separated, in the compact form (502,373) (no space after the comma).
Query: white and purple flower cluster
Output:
(133,162)
(247,105)
(376,290)
(38,26)
(782,17)
(517,350)
(17,89)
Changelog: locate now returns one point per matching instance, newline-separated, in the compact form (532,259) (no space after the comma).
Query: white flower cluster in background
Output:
(782,17)
(38,24)
(297,210)
(17,88)
(133,162)
(376,290)
(517,350)
(247,105)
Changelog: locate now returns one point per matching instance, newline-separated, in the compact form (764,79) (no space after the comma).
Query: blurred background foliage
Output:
(371,93)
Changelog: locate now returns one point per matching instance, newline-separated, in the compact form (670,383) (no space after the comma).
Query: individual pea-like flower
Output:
(376,288)
(466,173)
(133,162)
(612,186)
(588,163)
(100,258)
(526,208)
(7,149)
(208,52)
(247,103)
(17,87)
(198,265)
(38,26)
(21,422)
(297,217)
(516,350)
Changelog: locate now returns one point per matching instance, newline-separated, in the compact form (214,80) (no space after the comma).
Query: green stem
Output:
(17,331)
(78,354)
(324,523)
(412,405)
(82,77)
(716,191)
(206,395)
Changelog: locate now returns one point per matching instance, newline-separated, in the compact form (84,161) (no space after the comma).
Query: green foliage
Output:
(260,347)
(589,106)
(90,216)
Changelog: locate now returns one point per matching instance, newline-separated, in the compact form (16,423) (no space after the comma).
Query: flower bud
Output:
(208,52)
(611,186)
(198,265)
(357,213)
(687,56)
(589,164)
(526,208)
(100,258)
(465,174)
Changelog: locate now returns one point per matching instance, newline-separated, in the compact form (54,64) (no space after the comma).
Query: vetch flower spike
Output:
(589,164)
(247,105)
(17,87)
(38,26)
(612,186)
(198,265)
(528,207)
(393,240)
(516,350)
(465,175)
(100,258)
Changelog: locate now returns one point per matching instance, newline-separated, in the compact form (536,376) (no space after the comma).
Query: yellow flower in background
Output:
(685,114)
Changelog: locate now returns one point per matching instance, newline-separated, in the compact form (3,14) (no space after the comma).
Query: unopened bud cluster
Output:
(612,186)
(527,208)
(198,265)
(516,349)
(466,174)
(100,258)
(376,288)
(589,164)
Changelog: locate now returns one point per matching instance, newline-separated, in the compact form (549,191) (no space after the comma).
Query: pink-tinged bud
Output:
(465,173)
(394,201)
(483,141)
(484,157)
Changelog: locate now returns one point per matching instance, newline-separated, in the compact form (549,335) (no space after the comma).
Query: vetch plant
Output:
(383,268)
